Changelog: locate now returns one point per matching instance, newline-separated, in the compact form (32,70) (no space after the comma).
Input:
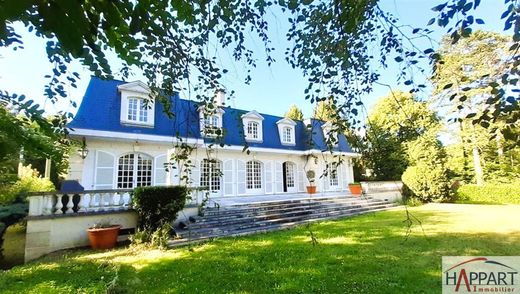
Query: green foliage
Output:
(157,206)
(294,113)
(326,110)
(395,120)
(30,181)
(489,193)
(427,176)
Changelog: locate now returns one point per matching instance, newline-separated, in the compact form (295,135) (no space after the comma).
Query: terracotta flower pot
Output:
(311,189)
(355,189)
(103,238)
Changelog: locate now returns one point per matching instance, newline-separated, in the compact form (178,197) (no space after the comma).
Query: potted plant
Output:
(355,188)
(311,175)
(103,235)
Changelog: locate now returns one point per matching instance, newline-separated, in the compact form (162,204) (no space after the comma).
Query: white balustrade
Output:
(70,203)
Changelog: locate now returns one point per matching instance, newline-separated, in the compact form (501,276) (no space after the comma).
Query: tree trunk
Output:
(479,174)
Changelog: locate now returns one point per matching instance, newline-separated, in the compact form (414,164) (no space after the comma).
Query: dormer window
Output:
(211,123)
(252,130)
(253,126)
(136,106)
(328,134)
(137,110)
(286,130)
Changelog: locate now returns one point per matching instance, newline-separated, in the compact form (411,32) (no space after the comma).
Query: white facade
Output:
(263,171)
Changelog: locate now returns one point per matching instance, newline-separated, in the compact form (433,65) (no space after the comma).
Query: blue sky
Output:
(272,89)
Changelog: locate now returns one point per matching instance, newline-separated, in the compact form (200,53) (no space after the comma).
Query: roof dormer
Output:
(211,121)
(329,134)
(137,108)
(286,131)
(253,130)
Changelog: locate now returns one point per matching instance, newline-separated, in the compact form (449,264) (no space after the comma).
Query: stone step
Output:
(247,208)
(277,219)
(219,221)
(239,213)
(244,232)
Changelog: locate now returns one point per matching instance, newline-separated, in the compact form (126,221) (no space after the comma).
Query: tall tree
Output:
(294,113)
(395,120)
(325,110)
(468,67)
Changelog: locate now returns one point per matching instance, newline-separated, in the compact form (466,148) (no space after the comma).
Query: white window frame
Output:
(211,175)
(145,111)
(287,124)
(254,178)
(137,171)
(253,117)
(211,122)
(333,175)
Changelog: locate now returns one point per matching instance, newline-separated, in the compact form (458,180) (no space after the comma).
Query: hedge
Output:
(157,206)
(489,193)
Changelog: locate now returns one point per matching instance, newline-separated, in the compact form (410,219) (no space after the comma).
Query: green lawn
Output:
(364,254)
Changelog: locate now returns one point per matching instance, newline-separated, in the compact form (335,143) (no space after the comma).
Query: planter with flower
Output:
(311,176)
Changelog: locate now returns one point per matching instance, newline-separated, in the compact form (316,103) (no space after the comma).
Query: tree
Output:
(427,175)
(294,113)
(325,110)
(469,66)
(395,120)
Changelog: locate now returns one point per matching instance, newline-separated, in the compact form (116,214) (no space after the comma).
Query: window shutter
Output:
(195,174)
(344,176)
(301,178)
(278,177)
(160,174)
(241,177)
(268,177)
(228,178)
(104,178)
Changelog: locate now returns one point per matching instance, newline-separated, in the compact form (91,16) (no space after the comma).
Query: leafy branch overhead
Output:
(340,46)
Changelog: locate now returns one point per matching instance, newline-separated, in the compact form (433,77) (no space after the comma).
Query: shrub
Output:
(427,177)
(427,183)
(29,181)
(157,206)
(489,193)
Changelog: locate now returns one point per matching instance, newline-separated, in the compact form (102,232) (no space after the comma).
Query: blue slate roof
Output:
(101,106)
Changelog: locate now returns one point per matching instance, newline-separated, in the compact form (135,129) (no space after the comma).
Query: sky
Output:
(273,88)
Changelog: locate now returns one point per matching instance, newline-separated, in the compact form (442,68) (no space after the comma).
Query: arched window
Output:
(134,170)
(287,135)
(252,130)
(211,174)
(253,175)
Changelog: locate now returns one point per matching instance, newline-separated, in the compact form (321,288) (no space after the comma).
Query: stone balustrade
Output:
(89,201)
(381,186)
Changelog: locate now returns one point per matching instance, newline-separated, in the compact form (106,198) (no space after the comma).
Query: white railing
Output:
(381,186)
(88,201)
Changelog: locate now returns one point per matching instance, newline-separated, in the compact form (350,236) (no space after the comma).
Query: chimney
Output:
(220,98)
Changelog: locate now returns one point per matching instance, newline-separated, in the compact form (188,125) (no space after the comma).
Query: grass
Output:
(365,254)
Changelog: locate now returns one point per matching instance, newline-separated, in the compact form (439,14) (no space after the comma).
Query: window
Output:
(333,175)
(252,130)
(211,174)
(134,170)
(253,175)
(252,122)
(137,110)
(287,135)
(289,174)
(212,121)
(286,131)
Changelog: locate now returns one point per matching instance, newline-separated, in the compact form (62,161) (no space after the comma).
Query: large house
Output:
(130,142)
